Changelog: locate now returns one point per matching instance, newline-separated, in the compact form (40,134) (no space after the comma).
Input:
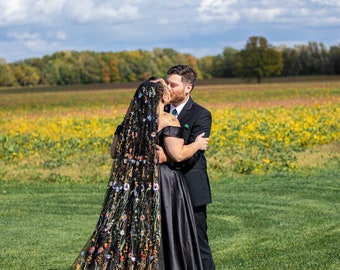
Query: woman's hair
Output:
(129,223)
(134,176)
(141,120)
(161,86)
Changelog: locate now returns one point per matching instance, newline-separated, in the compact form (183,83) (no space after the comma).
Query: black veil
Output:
(128,232)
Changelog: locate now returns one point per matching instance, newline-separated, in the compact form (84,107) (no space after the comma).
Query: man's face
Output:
(179,91)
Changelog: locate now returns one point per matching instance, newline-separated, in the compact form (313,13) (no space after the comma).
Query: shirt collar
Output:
(179,108)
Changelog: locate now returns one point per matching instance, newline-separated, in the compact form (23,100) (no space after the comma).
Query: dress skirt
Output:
(179,244)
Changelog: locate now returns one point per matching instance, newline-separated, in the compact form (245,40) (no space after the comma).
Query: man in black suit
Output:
(194,120)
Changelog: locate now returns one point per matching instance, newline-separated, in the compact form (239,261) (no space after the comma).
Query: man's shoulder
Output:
(200,107)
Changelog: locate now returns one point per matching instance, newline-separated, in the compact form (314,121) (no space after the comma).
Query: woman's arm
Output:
(174,146)
(113,146)
(116,138)
(178,152)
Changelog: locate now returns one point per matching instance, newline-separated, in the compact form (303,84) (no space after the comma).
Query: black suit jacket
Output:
(194,120)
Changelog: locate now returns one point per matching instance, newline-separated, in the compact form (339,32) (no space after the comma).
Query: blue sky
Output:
(34,28)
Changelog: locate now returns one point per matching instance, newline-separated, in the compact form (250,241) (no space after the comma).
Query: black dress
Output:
(144,225)
(179,244)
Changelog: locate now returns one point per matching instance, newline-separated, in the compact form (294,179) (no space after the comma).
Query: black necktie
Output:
(174,112)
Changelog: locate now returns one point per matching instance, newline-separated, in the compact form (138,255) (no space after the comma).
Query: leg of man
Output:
(200,213)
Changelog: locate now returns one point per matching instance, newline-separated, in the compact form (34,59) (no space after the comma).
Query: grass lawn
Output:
(255,222)
(54,165)
(290,222)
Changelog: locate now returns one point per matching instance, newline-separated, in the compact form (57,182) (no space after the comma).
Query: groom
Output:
(194,120)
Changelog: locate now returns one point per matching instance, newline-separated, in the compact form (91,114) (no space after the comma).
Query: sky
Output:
(34,28)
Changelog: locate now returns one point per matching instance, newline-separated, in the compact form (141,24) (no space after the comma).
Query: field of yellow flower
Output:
(258,140)
(255,128)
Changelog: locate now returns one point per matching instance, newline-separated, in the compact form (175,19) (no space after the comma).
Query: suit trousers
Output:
(200,213)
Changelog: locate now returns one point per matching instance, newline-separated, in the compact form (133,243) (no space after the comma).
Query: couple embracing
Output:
(154,209)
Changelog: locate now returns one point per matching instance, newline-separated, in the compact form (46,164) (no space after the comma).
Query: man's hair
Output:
(188,74)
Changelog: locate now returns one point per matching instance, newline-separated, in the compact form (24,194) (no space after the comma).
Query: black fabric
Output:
(195,119)
(200,214)
(179,242)
(171,131)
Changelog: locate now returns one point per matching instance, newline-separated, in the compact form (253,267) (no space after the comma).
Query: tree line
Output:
(258,59)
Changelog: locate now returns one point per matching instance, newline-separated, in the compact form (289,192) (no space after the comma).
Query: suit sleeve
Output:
(202,124)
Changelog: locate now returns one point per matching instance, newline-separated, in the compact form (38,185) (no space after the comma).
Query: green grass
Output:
(49,204)
(255,222)
(290,222)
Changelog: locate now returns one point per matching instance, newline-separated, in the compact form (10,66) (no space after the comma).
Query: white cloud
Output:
(45,26)
(263,15)
(35,42)
(11,12)
(210,10)
(327,2)
(240,11)
(23,36)
(36,45)
(59,12)
(61,35)
(23,12)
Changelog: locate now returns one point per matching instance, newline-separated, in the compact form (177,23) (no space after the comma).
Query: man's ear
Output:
(188,89)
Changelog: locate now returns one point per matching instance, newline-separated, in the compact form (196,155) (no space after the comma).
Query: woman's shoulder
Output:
(167,119)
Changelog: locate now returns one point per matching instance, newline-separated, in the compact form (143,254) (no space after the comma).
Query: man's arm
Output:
(202,124)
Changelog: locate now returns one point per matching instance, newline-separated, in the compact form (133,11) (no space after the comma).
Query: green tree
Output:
(112,62)
(7,77)
(334,56)
(26,75)
(313,59)
(60,68)
(290,61)
(90,68)
(320,58)
(259,59)
(206,65)
(224,63)
(162,59)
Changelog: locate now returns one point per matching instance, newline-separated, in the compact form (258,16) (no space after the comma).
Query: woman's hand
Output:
(162,156)
(202,142)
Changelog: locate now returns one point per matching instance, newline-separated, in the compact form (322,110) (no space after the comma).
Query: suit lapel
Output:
(185,120)
(185,111)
